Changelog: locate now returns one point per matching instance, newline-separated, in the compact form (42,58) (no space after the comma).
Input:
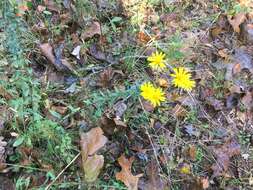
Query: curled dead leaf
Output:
(236,21)
(163,83)
(55,57)
(125,174)
(47,51)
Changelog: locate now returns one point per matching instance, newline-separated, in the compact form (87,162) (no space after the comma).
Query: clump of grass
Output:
(29,122)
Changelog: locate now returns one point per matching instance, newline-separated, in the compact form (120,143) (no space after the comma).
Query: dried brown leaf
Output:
(92,167)
(47,50)
(125,174)
(52,6)
(92,141)
(205,183)
(147,106)
(236,21)
(223,155)
(120,107)
(60,109)
(163,82)
(93,29)
(179,111)
(154,181)
(5,94)
(192,152)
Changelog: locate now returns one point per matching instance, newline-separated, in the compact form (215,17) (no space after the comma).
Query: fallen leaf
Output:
(106,77)
(93,29)
(90,143)
(163,83)
(147,106)
(41,8)
(244,59)
(247,33)
(247,100)
(125,174)
(205,183)
(47,51)
(192,152)
(154,181)
(23,8)
(216,104)
(232,100)
(96,52)
(67,4)
(120,107)
(223,154)
(223,53)
(52,6)
(236,21)
(6,183)
(216,31)
(76,52)
(236,68)
(57,60)
(179,111)
(119,123)
(251,181)
(60,109)
(92,167)
(60,63)
(108,125)
(5,94)
(143,38)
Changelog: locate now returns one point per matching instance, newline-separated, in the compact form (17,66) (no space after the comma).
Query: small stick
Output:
(50,184)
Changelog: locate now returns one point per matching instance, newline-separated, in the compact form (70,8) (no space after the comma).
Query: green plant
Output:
(98,101)
(26,103)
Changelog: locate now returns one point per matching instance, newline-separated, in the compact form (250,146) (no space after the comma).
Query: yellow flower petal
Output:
(182,79)
(154,95)
(156,61)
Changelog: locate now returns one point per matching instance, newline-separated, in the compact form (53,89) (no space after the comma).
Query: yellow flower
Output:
(156,60)
(182,79)
(154,95)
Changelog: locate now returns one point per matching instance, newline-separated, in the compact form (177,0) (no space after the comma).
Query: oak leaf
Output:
(125,174)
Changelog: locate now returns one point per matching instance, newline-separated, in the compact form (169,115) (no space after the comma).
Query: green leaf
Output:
(47,12)
(116,19)
(18,141)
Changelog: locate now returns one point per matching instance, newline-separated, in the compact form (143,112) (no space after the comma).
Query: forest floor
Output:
(75,112)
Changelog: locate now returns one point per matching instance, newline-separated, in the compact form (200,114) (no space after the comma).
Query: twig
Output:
(50,184)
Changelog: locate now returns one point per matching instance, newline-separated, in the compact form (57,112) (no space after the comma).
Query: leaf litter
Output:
(109,54)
